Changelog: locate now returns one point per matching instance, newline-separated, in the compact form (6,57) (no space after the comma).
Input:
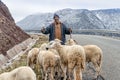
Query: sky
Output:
(21,8)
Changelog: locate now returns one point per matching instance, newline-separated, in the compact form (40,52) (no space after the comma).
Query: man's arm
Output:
(46,30)
(67,30)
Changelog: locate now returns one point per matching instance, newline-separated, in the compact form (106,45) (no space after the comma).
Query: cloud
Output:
(23,8)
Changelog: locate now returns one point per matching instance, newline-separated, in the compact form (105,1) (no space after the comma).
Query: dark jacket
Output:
(51,31)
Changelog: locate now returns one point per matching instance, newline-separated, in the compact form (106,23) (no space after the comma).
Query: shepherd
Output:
(57,30)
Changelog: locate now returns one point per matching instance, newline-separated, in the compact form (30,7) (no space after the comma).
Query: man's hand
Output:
(43,29)
(70,30)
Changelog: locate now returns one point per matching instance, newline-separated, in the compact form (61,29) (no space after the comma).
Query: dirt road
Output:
(111,54)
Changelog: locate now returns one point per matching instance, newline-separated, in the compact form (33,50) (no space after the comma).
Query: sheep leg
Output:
(71,66)
(58,72)
(38,67)
(32,64)
(78,73)
(96,66)
(42,72)
(52,73)
(28,62)
(70,76)
(64,71)
(45,68)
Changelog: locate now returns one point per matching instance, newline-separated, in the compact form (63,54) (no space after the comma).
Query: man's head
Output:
(55,15)
(56,18)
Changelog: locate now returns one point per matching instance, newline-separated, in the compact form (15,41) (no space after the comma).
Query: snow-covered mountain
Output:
(80,19)
(35,21)
(109,17)
(76,19)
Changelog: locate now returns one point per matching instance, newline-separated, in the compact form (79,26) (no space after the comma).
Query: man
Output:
(56,30)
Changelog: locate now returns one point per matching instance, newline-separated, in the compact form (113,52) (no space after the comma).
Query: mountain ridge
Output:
(76,19)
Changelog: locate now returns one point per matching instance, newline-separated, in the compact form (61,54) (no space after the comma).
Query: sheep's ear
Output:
(55,45)
(51,42)
(75,41)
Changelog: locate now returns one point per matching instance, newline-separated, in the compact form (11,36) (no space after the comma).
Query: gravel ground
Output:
(111,54)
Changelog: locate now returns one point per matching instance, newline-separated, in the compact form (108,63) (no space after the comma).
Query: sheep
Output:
(57,68)
(32,56)
(71,57)
(47,60)
(20,73)
(43,46)
(71,42)
(93,53)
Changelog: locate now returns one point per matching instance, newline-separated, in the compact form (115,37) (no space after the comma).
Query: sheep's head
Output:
(71,42)
(57,40)
(54,44)
(43,46)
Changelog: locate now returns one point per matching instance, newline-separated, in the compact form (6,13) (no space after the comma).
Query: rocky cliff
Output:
(10,33)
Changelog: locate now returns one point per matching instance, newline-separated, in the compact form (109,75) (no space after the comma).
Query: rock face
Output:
(10,33)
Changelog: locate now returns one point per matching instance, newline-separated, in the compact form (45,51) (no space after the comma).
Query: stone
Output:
(2,59)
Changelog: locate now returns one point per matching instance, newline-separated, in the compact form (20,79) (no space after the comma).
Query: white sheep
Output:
(20,73)
(47,60)
(43,46)
(57,68)
(71,57)
(93,53)
(32,57)
(71,42)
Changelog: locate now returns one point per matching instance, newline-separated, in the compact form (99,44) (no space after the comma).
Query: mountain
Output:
(10,33)
(109,17)
(80,19)
(76,19)
(35,21)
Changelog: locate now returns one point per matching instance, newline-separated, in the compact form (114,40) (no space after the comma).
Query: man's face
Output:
(56,19)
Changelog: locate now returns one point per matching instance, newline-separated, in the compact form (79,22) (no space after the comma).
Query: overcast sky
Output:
(22,8)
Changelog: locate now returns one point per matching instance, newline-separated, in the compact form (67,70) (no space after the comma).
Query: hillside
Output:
(10,33)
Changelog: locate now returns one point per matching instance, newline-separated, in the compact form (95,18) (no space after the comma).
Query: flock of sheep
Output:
(56,62)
